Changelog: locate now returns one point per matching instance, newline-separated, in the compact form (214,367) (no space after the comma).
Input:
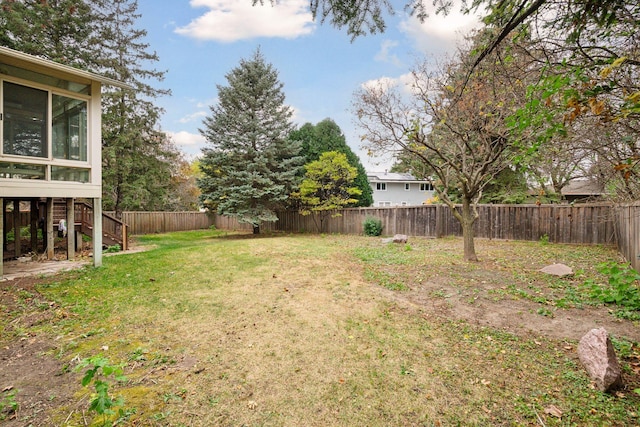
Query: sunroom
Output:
(50,150)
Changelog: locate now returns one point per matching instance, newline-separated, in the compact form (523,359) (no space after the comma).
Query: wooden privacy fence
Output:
(592,224)
(164,222)
(578,224)
(628,232)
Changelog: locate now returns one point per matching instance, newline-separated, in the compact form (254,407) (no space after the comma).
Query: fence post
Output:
(125,243)
(439,221)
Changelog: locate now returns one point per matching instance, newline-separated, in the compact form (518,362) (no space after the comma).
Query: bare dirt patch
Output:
(28,369)
(520,317)
(506,289)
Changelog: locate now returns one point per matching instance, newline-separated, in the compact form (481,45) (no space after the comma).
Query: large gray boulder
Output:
(400,238)
(598,357)
(559,270)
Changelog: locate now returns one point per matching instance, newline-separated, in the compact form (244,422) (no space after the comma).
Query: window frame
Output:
(381,186)
(49,160)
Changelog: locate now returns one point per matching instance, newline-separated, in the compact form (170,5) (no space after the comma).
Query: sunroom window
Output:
(44,135)
(61,173)
(69,128)
(21,171)
(24,121)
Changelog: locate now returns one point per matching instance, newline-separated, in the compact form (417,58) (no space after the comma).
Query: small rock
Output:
(559,270)
(553,410)
(598,357)
(400,238)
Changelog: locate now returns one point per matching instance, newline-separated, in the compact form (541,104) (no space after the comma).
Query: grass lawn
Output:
(302,330)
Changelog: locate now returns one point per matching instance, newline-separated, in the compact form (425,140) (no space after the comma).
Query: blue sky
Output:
(200,41)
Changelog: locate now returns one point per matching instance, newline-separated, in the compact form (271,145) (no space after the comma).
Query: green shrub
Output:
(372,226)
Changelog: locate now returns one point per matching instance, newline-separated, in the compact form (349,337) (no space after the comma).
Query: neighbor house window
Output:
(69,128)
(24,120)
(407,186)
(384,204)
(381,186)
(426,187)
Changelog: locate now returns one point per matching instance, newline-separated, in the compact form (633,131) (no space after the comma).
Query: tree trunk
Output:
(466,221)
(256,229)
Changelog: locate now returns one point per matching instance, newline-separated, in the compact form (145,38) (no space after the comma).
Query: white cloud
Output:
(186,139)
(404,81)
(384,55)
(232,20)
(439,33)
(197,116)
(297,116)
(206,104)
(382,83)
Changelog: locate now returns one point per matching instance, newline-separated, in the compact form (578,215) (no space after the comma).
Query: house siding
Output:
(395,192)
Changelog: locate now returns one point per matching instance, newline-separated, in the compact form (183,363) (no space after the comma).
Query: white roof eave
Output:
(38,64)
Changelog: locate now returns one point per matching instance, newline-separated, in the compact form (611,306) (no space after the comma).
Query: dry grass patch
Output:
(291,330)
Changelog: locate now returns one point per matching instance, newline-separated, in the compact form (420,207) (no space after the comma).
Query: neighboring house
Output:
(582,190)
(50,144)
(399,189)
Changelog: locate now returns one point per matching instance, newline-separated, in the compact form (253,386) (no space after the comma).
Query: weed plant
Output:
(8,403)
(622,289)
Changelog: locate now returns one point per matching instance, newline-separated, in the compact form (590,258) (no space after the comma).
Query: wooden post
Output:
(71,229)
(125,243)
(97,232)
(34,226)
(49,229)
(17,243)
(4,223)
(1,237)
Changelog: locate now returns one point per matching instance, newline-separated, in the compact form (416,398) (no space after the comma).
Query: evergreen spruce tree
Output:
(137,158)
(250,167)
(327,136)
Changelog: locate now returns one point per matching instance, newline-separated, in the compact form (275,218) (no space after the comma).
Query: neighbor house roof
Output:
(582,187)
(45,66)
(392,177)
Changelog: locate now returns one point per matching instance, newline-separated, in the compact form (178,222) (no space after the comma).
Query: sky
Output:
(199,41)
